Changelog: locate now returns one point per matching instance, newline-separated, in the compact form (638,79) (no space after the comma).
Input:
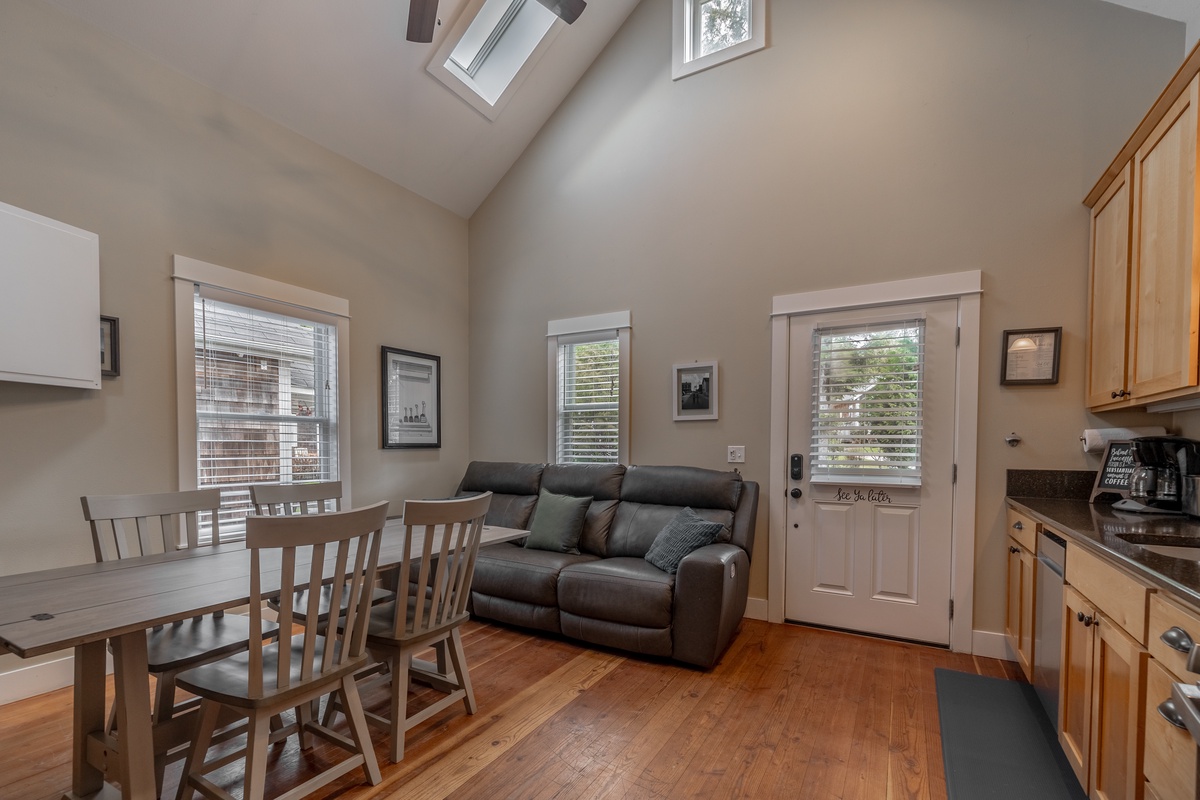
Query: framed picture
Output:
(412,399)
(110,347)
(695,389)
(1030,356)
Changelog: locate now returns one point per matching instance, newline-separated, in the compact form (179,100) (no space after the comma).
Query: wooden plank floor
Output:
(789,712)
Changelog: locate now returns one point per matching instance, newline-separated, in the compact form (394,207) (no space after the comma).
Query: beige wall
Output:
(870,141)
(95,135)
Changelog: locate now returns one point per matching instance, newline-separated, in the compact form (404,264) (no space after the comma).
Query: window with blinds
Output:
(867,402)
(589,386)
(266,402)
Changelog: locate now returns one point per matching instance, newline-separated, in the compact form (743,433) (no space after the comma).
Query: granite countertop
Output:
(1100,529)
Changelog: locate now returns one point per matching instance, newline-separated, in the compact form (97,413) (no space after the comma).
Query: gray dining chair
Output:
(429,610)
(341,548)
(127,526)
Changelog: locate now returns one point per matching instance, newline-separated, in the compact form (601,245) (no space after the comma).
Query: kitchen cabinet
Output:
(1165,314)
(1108,314)
(1102,698)
(1170,754)
(1020,614)
(1144,284)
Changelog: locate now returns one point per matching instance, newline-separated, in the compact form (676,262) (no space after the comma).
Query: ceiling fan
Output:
(422,16)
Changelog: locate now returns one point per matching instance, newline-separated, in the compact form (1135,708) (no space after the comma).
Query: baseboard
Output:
(756,608)
(990,644)
(35,679)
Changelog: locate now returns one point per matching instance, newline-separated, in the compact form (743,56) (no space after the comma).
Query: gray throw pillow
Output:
(557,522)
(683,534)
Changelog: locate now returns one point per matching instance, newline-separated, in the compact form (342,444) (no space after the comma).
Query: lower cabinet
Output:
(1170,753)
(1103,697)
(1018,622)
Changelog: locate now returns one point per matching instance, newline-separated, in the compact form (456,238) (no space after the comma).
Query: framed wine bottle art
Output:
(412,399)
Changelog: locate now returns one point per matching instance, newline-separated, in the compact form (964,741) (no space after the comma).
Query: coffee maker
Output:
(1161,466)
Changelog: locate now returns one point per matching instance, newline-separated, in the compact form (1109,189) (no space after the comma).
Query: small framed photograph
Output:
(110,347)
(412,399)
(1030,356)
(695,387)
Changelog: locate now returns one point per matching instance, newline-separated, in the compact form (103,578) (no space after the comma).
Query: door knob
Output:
(795,493)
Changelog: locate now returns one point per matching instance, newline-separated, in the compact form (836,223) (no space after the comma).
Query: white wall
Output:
(98,136)
(869,141)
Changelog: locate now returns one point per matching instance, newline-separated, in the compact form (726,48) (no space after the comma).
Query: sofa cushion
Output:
(514,488)
(630,591)
(514,572)
(637,524)
(557,522)
(598,481)
(596,527)
(682,486)
(683,534)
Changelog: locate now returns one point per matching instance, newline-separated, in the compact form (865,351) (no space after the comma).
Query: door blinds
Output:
(867,402)
(266,400)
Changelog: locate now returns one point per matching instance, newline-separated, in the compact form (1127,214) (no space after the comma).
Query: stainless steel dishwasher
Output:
(1048,600)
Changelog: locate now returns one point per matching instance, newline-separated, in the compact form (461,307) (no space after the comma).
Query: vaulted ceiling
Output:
(343,75)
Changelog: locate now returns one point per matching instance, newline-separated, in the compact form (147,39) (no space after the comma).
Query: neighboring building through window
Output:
(589,389)
(266,389)
(711,32)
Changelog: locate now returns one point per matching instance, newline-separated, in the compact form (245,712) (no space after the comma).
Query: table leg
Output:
(134,729)
(87,716)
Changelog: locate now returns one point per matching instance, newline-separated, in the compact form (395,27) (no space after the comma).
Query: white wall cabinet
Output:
(49,302)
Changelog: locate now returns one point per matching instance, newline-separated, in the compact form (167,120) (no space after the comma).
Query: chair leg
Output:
(357,720)
(194,764)
(256,757)
(304,720)
(458,657)
(400,664)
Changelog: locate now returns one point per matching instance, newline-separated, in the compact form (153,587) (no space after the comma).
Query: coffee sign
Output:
(1115,470)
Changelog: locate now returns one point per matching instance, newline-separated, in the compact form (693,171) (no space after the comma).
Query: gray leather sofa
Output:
(608,594)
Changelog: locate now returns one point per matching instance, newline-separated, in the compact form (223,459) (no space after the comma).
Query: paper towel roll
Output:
(1095,439)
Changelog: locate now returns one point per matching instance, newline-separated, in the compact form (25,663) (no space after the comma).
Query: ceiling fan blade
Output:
(567,10)
(422,19)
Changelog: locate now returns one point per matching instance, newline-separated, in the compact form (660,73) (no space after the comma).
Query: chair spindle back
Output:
(142,524)
(287,499)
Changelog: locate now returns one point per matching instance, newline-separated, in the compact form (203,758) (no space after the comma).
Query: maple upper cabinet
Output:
(1108,314)
(1144,285)
(1164,318)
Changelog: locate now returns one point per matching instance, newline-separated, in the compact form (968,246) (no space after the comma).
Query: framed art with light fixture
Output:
(1030,356)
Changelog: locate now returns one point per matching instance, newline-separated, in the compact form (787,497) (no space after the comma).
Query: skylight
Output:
(489,49)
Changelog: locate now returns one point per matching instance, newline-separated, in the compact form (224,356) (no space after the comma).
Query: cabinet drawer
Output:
(1121,597)
(1170,755)
(1023,529)
(1164,615)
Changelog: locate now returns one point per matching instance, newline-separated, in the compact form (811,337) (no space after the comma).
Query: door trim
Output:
(967,288)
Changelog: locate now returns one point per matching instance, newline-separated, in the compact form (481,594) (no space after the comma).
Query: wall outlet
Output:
(737,454)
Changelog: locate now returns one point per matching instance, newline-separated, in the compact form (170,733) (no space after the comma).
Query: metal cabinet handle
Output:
(1177,638)
(1171,714)
(1121,393)
(1014,550)
(1088,621)
(1018,526)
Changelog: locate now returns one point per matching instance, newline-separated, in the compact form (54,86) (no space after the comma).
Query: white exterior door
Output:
(869,539)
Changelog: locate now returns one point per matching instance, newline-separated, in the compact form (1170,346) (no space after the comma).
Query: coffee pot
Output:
(1161,464)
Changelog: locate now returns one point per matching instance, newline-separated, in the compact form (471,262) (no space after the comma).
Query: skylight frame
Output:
(464,84)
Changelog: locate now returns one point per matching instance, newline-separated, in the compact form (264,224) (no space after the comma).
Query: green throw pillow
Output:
(557,522)
(683,534)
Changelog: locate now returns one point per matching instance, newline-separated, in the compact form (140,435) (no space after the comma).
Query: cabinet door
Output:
(1075,699)
(1118,702)
(1170,765)
(1012,613)
(1164,309)
(1028,612)
(1108,314)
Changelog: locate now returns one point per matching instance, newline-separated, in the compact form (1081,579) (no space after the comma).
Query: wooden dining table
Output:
(90,606)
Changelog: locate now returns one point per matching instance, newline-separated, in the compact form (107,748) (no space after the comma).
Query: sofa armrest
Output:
(710,599)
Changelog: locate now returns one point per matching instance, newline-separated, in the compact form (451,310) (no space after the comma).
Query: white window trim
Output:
(621,322)
(681,40)
(189,272)
(456,83)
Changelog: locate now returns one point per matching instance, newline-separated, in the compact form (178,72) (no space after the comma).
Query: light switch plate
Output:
(737,454)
